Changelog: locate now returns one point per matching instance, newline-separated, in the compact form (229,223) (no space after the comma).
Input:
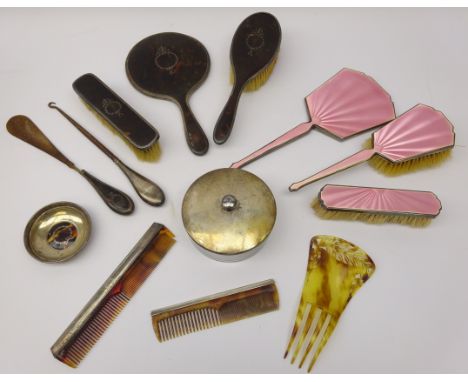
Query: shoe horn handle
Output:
(118,201)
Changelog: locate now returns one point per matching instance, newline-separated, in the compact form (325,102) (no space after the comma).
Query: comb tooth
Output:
(217,317)
(213,317)
(210,320)
(297,326)
(162,331)
(183,324)
(72,355)
(73,358)
(326,332)
(94,330)
(200,320)
(179,330)
(187,323)
(78,353)
(168,329)
(205,319)
(180,325)
(175,327)
(210,317)
(318,327)
(194,321)
(168,322)
(83,343)
(193,324)
(308,321)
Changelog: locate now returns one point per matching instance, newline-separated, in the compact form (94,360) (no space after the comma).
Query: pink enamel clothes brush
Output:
(347,104)
(421,137)
(377,205)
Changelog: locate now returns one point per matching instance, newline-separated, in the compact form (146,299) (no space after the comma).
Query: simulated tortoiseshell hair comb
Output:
(218,309)
(347,104)
(335,271)
(84,331)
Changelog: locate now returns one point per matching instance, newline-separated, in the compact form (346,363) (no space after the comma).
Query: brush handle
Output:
(226,119)
(353,160)
(194,134)
(147,190)
(118,201)
(287,137)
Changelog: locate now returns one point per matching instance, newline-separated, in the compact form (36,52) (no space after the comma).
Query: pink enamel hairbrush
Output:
(347,104)
(421,137)
(377,205)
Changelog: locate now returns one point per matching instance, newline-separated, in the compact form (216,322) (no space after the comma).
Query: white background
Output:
(409,317)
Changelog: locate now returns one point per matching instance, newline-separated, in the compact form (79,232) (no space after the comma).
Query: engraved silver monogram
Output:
(112,107)
(165,59)
(255,41)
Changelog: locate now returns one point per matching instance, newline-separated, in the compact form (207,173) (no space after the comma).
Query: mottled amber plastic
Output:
(336,270)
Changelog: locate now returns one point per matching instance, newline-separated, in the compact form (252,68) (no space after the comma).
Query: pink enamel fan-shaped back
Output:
(419,131)
(349,103)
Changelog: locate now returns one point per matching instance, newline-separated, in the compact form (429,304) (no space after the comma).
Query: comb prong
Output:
(172,325)
(325,334)
(297,325)
(162,331)
(179,326)
(170,329)
(167,330)
(185,324)
(317,329)
(197,320)
(188,317)
(303,334)
(208,318)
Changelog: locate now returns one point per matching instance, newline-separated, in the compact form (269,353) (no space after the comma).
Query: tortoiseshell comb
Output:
(218,309)
(335,272)
(84,331)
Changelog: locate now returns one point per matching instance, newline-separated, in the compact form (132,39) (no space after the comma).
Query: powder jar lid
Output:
(228,213)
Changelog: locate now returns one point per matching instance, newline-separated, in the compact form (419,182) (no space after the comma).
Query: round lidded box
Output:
(228,213)
(57,232)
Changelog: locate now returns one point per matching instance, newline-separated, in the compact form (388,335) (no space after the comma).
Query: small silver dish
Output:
(57,232)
